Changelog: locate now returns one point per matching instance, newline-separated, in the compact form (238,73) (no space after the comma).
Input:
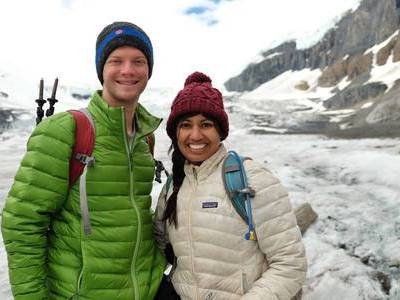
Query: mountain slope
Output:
(356,64)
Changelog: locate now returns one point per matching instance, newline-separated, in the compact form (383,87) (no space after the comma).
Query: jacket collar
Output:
(114,116)
(207,167)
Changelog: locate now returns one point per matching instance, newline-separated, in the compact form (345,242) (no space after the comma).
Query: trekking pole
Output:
(52,100)
(40,102)
(159,168)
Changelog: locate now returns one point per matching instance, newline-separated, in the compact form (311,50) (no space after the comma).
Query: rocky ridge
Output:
(348,52)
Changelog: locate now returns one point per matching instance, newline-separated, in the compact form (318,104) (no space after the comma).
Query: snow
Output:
(387,73)
(309,39)
(343,83)
(283,87)
(366,105)
(374,49)
(351,184)
(338,115)
(273,55)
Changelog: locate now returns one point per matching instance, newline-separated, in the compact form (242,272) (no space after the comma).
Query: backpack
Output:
(238,190)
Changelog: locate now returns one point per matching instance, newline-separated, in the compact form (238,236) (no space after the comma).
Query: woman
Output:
(195,214)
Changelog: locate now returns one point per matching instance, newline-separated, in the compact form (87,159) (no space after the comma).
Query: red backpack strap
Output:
(84,144)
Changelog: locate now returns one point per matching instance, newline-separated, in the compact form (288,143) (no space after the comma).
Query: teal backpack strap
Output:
(168,184)
(238,190)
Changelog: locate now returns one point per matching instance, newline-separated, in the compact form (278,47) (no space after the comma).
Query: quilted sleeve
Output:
(160,231)
(278,237)
(39,190)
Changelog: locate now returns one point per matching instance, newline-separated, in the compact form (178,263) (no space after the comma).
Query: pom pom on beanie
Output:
(198,96)
(197,77)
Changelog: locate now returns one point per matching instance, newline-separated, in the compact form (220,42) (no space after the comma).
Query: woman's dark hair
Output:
(178,174)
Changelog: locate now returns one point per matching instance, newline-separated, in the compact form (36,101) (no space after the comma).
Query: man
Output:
(51,254)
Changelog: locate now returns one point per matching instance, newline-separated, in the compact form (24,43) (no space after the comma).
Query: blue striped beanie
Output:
(120,34)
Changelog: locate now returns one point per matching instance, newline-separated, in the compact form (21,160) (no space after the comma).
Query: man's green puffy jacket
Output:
(49,255)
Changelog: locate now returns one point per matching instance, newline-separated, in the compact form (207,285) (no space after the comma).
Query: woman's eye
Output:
(184,125)
(208,124)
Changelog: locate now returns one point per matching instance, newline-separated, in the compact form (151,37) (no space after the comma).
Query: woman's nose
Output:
(195,133)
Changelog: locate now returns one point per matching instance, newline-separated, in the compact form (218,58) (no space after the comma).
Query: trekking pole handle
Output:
(52,100)
(40,102)
(54,91)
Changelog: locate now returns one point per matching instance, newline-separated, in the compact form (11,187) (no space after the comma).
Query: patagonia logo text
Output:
(210,204)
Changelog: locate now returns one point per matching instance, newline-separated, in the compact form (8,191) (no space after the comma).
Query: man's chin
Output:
(128,97)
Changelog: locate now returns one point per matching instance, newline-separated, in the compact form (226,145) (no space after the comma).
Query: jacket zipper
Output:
(138,237)
(190,232)
(78,289)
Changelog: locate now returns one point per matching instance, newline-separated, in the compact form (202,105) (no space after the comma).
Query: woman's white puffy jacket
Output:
(214,261)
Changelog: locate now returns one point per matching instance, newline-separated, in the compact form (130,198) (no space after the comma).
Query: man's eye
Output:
(114,61)
(140,62)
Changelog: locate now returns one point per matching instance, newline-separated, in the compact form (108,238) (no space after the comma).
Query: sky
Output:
(56,38)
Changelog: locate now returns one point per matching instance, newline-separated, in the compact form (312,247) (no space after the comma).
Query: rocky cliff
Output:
(361,41)
(373,22)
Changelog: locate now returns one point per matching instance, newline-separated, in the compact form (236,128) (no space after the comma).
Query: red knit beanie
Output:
(198,96)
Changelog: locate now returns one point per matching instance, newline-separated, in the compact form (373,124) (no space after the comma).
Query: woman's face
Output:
(198,138)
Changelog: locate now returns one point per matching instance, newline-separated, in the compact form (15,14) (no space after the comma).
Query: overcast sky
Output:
(49,38)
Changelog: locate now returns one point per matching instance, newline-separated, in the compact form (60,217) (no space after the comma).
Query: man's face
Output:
(125,76)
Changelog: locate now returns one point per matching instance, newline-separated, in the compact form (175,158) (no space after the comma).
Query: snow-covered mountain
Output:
(346,84)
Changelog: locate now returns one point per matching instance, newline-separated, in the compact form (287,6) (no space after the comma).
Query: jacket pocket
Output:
(233,284)
(245,284)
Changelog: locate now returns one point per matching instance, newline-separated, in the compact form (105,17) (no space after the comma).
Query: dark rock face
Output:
(373,22)
(387,109)
(355,94)
(283,58)
(381,119)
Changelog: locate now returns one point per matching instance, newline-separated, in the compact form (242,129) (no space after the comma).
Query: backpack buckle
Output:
(248,191)
(85,159)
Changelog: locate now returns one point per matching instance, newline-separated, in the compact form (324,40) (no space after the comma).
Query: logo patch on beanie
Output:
(119,31)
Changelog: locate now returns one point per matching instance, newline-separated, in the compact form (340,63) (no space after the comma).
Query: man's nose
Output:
(127,67)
